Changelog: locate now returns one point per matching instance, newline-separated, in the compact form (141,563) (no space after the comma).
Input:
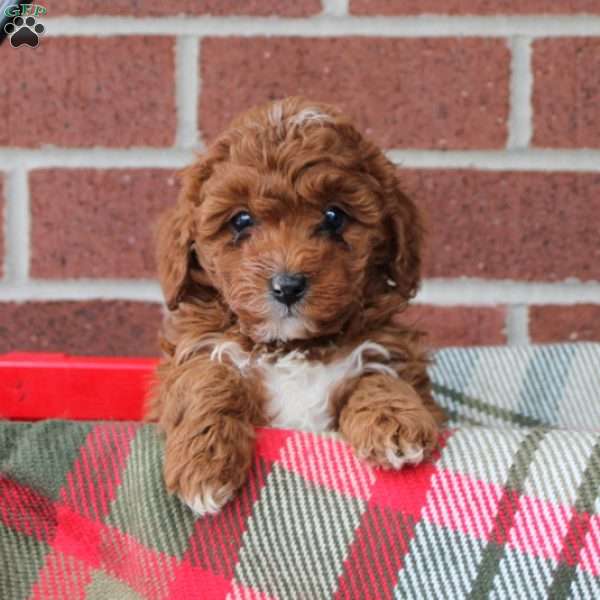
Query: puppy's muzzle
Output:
(288,288)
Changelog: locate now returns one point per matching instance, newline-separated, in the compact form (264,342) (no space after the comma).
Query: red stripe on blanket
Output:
(239,592)
(575,538)
(92,483)
(540,527)
(194,582)
(24,510)
(406,490)
(62,577)
(403,491)
(376,555)
(462,503)
(329,463)
(79,544)
(78,536)
(147,571)
(530,525)
(216,540)
(590,555)
(386,529)
(270,441)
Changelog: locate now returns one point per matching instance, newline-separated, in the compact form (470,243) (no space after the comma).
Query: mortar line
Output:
(12,158)
(186,89)
(440,292)
(478,292)
(526,159)
(520,121)
(517,325)
(17,214)
(337,8)
(80,290)
(202,143)
(330,25)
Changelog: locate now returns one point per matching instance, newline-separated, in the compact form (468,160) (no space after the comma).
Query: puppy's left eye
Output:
(241,221)
(334,219)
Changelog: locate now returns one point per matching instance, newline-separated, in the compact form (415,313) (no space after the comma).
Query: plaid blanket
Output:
(509,508)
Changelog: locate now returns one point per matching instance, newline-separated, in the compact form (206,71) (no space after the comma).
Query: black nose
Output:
(288,288)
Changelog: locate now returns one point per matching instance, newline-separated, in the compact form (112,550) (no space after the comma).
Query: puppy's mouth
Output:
(284,323)
(289,312)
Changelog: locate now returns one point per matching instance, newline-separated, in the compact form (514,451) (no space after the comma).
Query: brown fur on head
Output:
(285,164)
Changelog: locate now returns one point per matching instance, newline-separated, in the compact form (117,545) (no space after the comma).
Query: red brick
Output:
(498,225)
(115,91)
(457,325)
(88,223)
(580,322)
(566,96)
(163,8)
(114,328)
(421,93)
(2,225)
(475,7)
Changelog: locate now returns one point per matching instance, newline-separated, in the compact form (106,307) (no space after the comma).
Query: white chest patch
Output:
(298,388)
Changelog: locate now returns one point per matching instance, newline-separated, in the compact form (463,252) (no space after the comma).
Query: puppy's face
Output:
(289,255)
(295,221)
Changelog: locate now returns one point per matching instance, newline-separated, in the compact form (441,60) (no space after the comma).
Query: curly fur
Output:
(235,358)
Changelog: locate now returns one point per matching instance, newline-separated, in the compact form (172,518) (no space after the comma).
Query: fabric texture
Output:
(508,508)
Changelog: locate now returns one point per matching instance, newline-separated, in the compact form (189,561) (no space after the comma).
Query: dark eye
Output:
(241,221)
(334,220)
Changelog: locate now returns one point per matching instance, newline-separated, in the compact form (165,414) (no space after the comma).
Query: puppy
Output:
(289,252)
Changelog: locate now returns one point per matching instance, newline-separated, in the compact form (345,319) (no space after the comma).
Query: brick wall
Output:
(493,119)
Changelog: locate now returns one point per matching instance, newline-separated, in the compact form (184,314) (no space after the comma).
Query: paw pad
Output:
(24,32)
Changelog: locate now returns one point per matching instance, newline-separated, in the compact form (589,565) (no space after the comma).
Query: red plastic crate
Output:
(58,386)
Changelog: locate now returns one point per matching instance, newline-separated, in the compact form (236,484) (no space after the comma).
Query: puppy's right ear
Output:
(175,254)
(179,270)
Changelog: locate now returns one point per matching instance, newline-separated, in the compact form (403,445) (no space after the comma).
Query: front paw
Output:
(210,498)
(390,437)
(206,467)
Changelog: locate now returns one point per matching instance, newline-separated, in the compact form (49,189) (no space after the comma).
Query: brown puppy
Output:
(289,251)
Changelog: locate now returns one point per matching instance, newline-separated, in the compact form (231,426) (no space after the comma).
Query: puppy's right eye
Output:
(241,221)
(334,219)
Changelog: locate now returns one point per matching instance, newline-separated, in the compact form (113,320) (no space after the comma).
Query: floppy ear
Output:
(406,240)
(174,254)
(179,271)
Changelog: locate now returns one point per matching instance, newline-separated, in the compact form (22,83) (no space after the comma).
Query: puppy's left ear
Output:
(406,234)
